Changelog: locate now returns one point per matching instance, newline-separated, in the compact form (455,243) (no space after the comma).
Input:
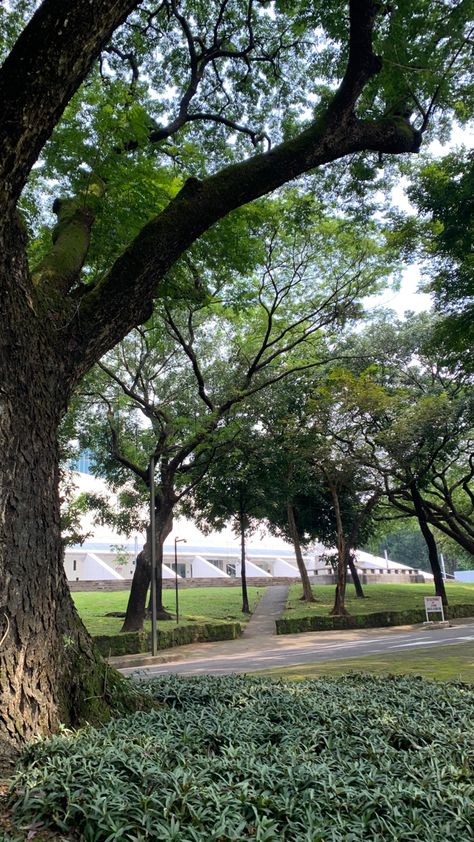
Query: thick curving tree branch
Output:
(125,295)
(362,62)
(93,320)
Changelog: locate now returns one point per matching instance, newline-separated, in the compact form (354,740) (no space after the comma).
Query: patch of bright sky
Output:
(409,296)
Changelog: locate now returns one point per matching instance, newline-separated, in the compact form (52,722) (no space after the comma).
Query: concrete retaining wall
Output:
(125,584)
(322,579)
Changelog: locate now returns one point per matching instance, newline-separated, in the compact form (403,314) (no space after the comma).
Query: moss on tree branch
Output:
(59,270)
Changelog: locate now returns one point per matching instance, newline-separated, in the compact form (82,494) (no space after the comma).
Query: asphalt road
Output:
(242,656)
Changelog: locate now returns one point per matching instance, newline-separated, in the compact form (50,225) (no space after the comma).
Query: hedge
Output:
(132,643)
(380,619)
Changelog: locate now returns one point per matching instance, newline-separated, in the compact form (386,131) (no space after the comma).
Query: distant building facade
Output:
(106,556)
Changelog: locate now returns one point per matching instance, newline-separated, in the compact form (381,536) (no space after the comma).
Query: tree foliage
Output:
(185,371)
(415,418)
(443,192)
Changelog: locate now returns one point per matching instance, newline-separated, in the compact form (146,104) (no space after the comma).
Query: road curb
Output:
(142,660)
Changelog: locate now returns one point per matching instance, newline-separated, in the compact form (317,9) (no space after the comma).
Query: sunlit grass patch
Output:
(195,605)
(378,598)
(454,662)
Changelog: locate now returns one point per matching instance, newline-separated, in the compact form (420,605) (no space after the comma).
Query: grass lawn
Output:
(442,663)
(195,605)
(378,598)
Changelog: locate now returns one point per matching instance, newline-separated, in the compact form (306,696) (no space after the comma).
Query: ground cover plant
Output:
(378,598)
(195,605)
(234,758)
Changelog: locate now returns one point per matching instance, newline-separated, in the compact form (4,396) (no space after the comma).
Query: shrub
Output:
(130,643)
(379,619)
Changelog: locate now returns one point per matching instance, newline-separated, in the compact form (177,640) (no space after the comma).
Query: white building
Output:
(105,555)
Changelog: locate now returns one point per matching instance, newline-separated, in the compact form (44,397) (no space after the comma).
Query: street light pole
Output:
(176,542)
(154,632)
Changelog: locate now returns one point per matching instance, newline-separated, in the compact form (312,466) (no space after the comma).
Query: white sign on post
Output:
(434,605)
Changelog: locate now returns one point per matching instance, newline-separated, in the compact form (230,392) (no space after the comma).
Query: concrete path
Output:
(269,608)
(258,632)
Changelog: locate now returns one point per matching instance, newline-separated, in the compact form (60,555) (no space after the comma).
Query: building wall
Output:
(76,568)
(234,582)
(464,575)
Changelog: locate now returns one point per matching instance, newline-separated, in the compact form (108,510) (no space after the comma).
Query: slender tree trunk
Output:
(164,525)
(355,576)
(243,570)
(308,595)
(440,589)
(339,608)
(135,614)
(450,523)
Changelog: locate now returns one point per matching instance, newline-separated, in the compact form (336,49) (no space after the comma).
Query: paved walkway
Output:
(269,651)
(269,608)
(259,632)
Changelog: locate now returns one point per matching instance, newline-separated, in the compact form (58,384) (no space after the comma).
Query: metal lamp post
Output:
(154,631)
(176,542)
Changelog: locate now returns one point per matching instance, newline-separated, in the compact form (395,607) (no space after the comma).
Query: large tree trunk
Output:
(46,655)
(308,595)
(49,672)
(440,589)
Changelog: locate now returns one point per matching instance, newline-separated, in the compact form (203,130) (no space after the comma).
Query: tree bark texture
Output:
(45,654)
(308,595)
(440,589)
